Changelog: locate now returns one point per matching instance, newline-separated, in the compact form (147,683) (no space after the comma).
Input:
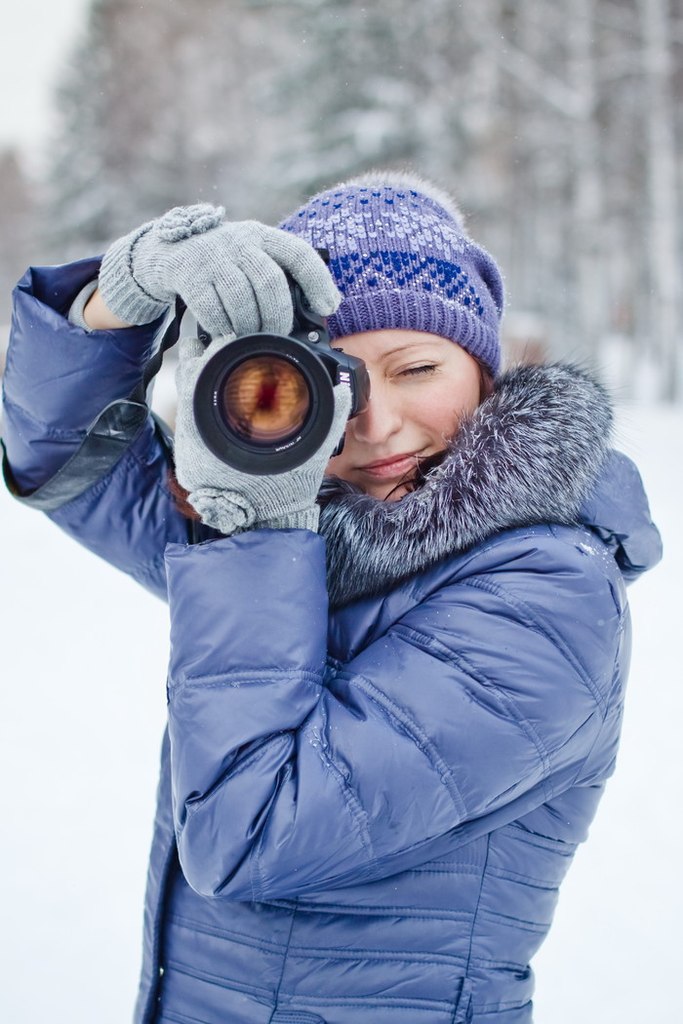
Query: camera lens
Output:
(265,399)
(264,403)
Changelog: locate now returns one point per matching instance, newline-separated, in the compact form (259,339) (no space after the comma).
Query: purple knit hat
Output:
(402,259)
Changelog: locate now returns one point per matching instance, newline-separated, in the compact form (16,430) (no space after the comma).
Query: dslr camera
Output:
(264,402)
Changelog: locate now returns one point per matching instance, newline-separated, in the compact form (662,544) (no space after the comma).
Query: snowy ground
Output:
(81,714)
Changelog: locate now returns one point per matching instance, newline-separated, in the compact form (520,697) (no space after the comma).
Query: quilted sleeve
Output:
(58,378)
(73,446)
(481,702)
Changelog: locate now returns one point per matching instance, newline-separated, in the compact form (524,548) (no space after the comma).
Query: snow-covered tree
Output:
(17,228)
(558,127)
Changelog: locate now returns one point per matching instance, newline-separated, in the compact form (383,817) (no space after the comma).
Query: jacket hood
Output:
(617,509)
(536,451)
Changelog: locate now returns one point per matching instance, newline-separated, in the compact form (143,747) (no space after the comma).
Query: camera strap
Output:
(171,335)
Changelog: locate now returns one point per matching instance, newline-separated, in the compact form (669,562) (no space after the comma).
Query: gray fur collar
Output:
(527,455)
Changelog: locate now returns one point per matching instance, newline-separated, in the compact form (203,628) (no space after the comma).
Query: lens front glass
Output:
(265,399)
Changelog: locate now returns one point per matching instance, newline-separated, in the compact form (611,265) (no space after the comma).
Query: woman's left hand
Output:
(225,498)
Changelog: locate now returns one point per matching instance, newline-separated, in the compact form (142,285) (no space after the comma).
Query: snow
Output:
(613,954)
(81,715)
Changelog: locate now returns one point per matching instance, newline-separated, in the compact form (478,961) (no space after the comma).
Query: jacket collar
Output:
(529,454)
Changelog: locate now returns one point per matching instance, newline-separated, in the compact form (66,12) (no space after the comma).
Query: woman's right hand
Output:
(231,276)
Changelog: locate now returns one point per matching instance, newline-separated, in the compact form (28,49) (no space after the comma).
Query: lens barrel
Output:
(264,403)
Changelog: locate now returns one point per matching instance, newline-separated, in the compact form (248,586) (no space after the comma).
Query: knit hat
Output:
(402,259)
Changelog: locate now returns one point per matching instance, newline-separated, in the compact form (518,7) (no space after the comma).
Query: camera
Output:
(264,403)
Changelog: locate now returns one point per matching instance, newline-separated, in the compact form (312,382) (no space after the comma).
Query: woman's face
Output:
(421,387)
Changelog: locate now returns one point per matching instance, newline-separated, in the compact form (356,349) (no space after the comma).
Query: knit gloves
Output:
(225,498)
(233,279)
(230,275)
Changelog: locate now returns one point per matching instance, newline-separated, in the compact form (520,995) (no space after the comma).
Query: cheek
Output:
(335,467)
(442,410)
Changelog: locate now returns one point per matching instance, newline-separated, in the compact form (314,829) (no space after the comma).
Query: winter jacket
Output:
(386,740)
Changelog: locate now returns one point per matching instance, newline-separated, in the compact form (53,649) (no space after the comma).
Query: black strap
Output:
(111,434)
(171,335)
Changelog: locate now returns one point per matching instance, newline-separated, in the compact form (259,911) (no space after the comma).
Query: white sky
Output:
(35,40)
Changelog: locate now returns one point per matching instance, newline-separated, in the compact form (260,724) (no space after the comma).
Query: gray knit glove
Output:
(232,501)
(230,275)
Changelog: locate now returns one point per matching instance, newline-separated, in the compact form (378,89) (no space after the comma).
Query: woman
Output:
(390,720)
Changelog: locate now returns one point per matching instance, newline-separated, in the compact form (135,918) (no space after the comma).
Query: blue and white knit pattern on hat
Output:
(402,259)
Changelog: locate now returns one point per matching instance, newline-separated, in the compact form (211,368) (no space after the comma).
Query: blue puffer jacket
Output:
(386,741)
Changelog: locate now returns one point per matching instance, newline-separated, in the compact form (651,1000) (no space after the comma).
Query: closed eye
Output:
(413,371)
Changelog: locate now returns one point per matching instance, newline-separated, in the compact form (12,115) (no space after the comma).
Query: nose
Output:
(381,418)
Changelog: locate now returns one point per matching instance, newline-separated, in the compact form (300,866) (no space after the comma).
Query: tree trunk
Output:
(587,198)
(662,222)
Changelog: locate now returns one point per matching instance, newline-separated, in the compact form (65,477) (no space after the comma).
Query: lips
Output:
(395,466)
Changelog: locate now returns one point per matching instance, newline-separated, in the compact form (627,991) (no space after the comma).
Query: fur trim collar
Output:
(528,455)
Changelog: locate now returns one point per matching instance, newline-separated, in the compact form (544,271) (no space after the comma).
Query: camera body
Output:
(264,403)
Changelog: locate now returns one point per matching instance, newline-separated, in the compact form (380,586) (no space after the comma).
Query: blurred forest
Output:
(558,126)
